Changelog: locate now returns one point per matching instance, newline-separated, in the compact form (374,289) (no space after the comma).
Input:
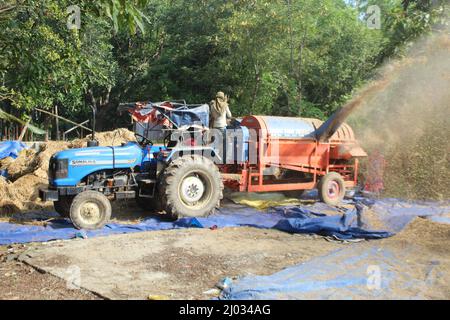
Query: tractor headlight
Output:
(59,168)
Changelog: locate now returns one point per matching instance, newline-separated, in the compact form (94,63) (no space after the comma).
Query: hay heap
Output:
(108,138)
(29,171)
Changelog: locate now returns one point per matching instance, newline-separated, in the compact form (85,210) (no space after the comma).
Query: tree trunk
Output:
(291,38)
(102,104)
(256,88)
(299,74)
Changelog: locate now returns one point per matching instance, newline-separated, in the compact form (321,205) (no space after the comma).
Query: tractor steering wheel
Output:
(144,141)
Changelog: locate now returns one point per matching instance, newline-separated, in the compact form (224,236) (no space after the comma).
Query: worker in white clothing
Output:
(219,111)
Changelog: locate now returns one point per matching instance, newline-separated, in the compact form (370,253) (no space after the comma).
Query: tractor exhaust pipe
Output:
(93,143)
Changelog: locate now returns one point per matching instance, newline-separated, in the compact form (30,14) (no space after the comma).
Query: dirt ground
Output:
(188,263)
(176,264)
(19,281)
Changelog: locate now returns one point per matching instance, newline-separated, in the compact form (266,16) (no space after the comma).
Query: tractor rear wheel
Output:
(62,206)
(90,210)
(332,189)
(191,186)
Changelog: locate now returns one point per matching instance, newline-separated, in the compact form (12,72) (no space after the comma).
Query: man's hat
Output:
(220,95)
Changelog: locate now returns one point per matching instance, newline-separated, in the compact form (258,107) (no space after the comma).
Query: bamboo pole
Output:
(24,130)
(57,122)
(64,119)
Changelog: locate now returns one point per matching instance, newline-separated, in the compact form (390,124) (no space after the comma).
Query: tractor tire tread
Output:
(167,196)
(90,195)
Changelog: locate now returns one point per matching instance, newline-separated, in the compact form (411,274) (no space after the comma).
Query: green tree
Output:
(403,21)
(280,57)
(44,64)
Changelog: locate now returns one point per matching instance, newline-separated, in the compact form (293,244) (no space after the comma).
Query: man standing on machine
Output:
(219,112)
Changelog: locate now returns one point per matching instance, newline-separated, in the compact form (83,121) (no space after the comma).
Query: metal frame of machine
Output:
(299,154)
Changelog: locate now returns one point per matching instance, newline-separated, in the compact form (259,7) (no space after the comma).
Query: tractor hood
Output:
(69,167)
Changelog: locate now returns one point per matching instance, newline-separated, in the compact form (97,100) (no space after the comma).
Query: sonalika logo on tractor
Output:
(82,162)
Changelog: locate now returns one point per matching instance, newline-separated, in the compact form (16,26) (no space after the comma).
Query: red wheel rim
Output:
(333,190)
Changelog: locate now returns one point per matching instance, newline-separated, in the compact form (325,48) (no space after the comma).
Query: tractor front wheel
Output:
(332,189)
(191,187)
(90,210)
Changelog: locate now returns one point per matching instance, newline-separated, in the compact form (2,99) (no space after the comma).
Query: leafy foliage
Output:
(281,57)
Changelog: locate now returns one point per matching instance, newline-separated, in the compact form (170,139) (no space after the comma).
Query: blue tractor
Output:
(178,177)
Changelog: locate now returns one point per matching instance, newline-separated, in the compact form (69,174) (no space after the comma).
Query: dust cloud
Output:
(408,121)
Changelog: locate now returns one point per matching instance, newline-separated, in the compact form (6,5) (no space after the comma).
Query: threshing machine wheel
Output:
(90,210)
(191,187)
(332,188)
(62,206)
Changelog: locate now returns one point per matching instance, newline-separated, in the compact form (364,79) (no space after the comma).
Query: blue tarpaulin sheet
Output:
(356,272)
(11,149)
(63,229)
(362,271)
(391,214)
(186,116)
